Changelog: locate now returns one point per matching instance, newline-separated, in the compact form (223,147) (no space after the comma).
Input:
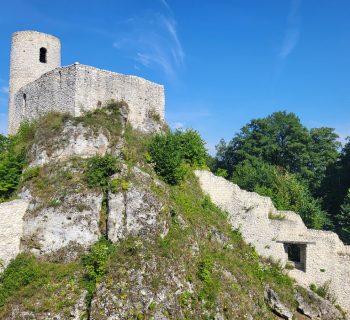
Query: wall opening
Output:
(43,55)
(296,253)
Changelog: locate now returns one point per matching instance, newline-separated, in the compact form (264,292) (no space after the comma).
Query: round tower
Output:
(32,54)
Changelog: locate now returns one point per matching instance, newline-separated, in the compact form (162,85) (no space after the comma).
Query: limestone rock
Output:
(276,305)
(63,230)
(132,212)
(74,140)
(315,307)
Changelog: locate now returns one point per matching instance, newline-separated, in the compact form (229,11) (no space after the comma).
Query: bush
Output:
(285,189)
(99,170)
(171,153)
(20,272)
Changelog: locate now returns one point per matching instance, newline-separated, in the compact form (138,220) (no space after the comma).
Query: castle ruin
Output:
(38,85)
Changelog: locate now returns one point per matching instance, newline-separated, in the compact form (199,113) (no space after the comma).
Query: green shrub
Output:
(95,262)
(171,154)
(20,272)
(99,170)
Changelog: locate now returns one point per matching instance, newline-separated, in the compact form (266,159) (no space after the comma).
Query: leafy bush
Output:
(95,262)
(172,152)
(20,272)
(99,170)
(285,189)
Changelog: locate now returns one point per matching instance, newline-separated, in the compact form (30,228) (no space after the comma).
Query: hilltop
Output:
(107,234)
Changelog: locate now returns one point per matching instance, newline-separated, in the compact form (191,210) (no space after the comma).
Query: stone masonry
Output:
(325,259)
(36,90)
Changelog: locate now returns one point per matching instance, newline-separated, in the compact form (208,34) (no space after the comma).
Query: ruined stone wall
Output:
(145,98)
(25,65)
(53,91)
(78,88)
(11,225)
(327,258)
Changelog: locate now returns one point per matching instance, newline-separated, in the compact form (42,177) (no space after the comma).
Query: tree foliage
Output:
(171,152)
(343,219)
(285,189)
(278,157)
(281,140)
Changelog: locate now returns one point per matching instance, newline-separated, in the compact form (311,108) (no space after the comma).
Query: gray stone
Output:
(74,140)
(327,259)
(63,231)
(132,212)
(276,305)
(315,307)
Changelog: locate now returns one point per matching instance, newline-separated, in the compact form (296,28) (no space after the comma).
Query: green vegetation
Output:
(13,159)
(172,152)
(300,169)
(217,269)
(99,169)
(27,281)
(95,263)
(323,291)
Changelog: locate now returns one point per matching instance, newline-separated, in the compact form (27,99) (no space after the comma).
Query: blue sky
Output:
(222,62)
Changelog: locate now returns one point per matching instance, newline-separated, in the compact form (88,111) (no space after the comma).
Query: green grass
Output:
(39,286)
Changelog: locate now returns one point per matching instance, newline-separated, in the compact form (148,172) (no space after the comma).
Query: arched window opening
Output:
(42,55)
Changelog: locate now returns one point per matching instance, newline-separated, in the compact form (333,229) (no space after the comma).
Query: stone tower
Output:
(32,54)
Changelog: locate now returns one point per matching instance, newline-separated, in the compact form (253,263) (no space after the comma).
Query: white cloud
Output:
(292,33)
(152,41)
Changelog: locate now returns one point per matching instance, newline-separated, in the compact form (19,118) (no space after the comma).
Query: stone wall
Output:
(11,225)
(78,88)
(327,258)
(25,66)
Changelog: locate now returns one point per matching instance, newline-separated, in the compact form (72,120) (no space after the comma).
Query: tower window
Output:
(42,55)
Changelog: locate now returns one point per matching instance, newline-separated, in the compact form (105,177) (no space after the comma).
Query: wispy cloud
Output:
(152,41)
(292,33)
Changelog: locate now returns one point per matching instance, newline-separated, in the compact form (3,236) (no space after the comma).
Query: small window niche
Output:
(296,253)
(43,55)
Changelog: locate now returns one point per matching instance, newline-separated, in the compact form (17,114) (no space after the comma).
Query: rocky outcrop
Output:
(315,307)
(133,210)
(64,229)
(73,140)
(276,305)
(11,226)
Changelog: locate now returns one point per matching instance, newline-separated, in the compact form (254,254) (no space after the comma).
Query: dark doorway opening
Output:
(296,253)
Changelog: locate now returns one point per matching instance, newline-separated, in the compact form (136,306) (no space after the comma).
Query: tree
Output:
(11,166)
(343,219)
(171,152)
(335,185)
(281,140)
(285,189)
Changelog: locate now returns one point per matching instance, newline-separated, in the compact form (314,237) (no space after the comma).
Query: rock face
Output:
(133,211)
(74,140)
(11,226)
(65,230)
(276,305)
(314,307)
